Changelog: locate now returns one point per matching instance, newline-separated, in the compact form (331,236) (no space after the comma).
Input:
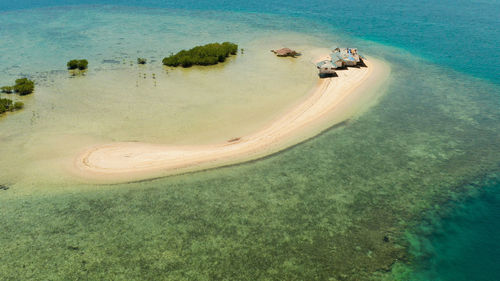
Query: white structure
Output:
(326,68)
(339,58)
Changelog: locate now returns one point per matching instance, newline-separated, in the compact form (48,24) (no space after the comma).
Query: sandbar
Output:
(333,100)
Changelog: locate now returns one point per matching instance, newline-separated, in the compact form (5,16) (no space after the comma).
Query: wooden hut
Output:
(285,52)
(326,68)
(348,56)
(337,60)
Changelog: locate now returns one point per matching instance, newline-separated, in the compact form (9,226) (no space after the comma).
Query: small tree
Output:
(72,64)
(5,105)
(77,64)
(24,86)
(83,64)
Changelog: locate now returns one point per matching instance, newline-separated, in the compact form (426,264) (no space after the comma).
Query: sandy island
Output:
(332,101)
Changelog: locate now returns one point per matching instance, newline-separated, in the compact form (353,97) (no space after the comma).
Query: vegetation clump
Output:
(7,89)
(208,54)
(8,105)
(141,60)
(77,64)
(24,86)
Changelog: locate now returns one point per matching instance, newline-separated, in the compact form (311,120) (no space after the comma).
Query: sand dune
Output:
(333,100)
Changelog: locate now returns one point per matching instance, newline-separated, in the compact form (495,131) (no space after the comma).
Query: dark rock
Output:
(386,239)
(3,187)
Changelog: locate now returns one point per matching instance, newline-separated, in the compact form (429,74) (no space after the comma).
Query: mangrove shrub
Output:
(7,89)
(77,64)
(7,105)
(24,86)
(208,54)
(18,105)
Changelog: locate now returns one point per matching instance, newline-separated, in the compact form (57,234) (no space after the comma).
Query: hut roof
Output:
(285,52)
(336,56)
(343,55)
(326,63)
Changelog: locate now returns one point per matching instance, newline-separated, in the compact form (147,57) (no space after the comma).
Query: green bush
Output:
(18,105)
(5,105)
(83,64)
(208,54)
(24,86)
(141,60)
(72,64)
(7,89)
(80,64)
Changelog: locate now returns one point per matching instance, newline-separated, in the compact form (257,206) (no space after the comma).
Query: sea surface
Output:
(461,245)
(406,191)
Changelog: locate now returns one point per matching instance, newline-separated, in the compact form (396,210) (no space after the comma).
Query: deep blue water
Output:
(464,245)
(458,34)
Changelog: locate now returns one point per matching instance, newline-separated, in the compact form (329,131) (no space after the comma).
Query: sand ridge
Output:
(332,98)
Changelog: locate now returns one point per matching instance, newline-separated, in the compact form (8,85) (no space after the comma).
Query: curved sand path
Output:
(333,100)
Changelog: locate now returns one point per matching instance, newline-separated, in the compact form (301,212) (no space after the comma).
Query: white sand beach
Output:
(332,101)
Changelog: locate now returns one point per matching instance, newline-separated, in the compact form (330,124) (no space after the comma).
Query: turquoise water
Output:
(325,202)
(463,244)
(461,34)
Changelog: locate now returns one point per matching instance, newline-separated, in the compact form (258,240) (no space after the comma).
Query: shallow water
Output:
(123,101)
(462,35)
(318,211)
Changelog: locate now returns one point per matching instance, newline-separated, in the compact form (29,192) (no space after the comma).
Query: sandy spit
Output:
(332,101)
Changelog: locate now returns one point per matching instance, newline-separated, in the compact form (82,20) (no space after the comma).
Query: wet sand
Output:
(332,101)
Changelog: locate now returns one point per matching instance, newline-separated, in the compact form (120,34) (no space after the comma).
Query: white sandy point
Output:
(333,99)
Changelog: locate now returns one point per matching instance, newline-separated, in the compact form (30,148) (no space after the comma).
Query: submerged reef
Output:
(336,207)
(208,54)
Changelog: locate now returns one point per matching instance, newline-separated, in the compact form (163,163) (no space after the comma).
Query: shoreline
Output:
(331,101)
